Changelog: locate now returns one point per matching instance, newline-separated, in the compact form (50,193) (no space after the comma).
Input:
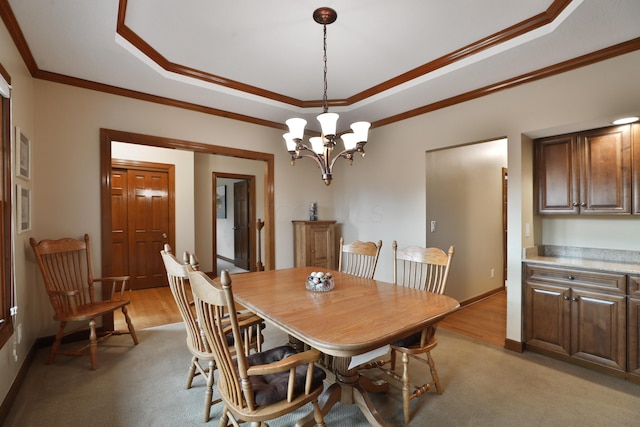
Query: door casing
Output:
(107,136)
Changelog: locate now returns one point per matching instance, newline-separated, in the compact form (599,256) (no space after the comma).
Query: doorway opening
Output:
(143,220)
(234,222)
(108,136)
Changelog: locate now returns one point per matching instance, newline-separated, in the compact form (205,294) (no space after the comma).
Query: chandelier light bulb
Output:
(361,130)
(316,145)
(349,140)
(328,123)
(291,144)
(296,127)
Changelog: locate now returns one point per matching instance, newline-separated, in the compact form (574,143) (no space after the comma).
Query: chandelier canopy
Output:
(321,148)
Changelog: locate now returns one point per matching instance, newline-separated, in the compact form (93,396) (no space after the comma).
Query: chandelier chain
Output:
(325,106)
(321,148)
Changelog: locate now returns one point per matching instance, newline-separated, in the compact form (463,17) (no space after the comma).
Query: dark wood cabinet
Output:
(578,315)
(633,328)
(557,175)
(635,144)
(585,173)
(314,244)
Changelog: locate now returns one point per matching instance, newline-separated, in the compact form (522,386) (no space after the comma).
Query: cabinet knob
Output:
(574,204)
(570,277)
(566,298)
(574,299)
(584,205)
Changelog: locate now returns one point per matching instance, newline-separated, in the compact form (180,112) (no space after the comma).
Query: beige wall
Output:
(380,197)
(464,198)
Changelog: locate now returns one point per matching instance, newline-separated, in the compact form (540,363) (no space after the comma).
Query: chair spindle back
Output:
(426,269)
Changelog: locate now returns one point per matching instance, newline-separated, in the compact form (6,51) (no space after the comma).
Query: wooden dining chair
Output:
(178,278)
(261,386)
(426,269)
(359,258)
(65,265)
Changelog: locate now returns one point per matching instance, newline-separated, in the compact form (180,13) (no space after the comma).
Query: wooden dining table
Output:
(359,315)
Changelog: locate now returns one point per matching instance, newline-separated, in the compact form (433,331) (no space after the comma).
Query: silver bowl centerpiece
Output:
(320,282)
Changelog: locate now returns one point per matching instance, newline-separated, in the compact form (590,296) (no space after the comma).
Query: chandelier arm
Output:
(302,152)
(347,154)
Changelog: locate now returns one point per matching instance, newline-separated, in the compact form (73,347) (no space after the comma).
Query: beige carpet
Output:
(484,386)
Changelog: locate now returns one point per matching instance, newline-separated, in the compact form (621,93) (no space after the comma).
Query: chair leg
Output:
(93,344)
(132,331)
(56,343)
(392,360)
(434,373)
(406,388)
(208,395)
(317,414)
(192,372)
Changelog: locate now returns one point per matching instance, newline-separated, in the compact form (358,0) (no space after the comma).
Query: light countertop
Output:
(626,262)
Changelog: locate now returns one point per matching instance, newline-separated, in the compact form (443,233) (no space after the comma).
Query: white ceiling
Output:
(276,47)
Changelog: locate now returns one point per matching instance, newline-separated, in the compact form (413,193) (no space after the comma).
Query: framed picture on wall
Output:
(221,201)
(24,208)
(23,155)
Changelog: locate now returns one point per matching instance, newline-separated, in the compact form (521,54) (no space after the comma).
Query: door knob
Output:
(164,236)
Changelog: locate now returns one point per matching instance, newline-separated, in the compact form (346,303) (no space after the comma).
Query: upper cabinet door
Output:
(605,162)
(586,173)
(557,175)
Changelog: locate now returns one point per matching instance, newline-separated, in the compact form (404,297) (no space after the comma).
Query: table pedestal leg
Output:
(350,388)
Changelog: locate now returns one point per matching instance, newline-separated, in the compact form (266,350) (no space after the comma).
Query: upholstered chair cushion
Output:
(273,387)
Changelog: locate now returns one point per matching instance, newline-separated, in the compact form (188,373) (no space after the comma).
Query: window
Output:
(6,288)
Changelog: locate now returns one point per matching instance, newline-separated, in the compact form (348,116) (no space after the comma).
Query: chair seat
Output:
(272,388)
(90,311)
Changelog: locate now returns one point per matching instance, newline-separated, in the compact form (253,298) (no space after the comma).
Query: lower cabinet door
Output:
(599,328)
(548,317)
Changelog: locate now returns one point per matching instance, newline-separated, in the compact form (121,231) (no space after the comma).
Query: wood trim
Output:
(127,93)
(134,39)
(253,239)
(512,345)
(14,30)
(500,37)
(474,48)
(481,297)
(552,70)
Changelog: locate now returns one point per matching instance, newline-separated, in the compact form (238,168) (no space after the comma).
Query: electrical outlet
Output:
(493,273)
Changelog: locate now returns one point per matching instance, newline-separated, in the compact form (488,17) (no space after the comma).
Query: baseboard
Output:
(82,335)
(224,258)
(8,400)
(512,345)
(481,296)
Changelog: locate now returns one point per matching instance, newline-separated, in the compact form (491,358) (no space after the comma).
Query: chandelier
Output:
(321,148)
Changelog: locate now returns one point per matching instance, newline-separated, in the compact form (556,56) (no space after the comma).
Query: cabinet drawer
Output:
(633,288)
(601,281)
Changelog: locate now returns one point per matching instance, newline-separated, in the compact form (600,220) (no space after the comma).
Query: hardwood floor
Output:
(149,307)
(485,320)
